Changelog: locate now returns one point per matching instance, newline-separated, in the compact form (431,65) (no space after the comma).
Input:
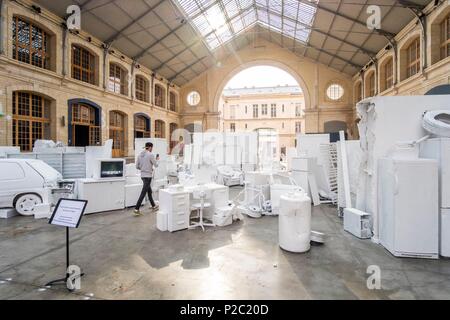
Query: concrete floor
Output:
(125,257)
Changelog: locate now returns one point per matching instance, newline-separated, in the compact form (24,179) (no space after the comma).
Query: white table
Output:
(176,204)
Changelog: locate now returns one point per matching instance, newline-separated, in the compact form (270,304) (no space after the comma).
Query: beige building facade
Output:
(82,94)
(416,61)
(280,108)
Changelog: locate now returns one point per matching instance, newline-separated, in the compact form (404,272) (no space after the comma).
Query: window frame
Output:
(141,88)
(388,69)
(44,51)
(40,122)
(159,95)
(90,71)
(117,84)
(255,111)
(444,38)
(340,89)
(273,110)
(413,66)
(172,101)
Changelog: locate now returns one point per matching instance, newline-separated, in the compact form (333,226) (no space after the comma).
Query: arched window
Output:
(413,58)
(117,79)
(172,127)
(173,101)
(141,126)
(160,129)
(160,96)
(445,37)
(358,91)
(31,44)
(387,74)
(117,132)
(83,65)
(141,90)
(370,85)
(31,119)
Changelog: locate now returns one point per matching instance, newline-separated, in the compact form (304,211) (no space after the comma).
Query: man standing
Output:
(145,162)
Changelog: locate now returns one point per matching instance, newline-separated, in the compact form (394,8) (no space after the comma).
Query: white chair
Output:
(229,177)
(201,194)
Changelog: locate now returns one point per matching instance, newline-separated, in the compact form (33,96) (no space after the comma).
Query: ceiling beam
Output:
(265,28)
(368,52)
(114,37)
(185,68)
(382,32)
(143,51)
(189,47)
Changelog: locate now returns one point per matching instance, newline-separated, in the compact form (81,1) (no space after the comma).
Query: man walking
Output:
(145,162)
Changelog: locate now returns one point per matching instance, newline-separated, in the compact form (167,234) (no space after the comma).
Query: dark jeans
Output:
(146,189)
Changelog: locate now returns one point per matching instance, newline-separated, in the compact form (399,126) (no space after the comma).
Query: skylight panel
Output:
(291,8)
(262,16)
(237,24)
(249,18)
(231,7)
(276,6)
(275,21)
(219,21)
(245,4)
(262,3)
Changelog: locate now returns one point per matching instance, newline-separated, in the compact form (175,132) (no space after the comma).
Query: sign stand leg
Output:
(64,280)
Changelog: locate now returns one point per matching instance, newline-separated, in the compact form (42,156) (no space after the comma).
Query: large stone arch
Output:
(261,62)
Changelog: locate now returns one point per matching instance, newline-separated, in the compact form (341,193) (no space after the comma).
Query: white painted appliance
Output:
(439,149)
(409,207)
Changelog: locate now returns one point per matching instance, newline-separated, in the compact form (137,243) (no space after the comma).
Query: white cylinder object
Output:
(294,222)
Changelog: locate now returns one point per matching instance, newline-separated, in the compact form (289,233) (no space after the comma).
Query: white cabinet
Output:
(409,207)
(439,149)
(102,195)
(176,206)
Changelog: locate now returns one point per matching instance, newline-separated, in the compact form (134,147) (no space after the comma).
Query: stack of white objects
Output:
(223,216)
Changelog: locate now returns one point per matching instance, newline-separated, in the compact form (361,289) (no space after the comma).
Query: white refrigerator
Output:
(409,207)
(439,149)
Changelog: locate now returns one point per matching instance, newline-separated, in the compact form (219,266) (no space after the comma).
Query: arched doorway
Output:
(262,62)
(141,126)
(84,123)
(333,128)
(117,132)
(263,96)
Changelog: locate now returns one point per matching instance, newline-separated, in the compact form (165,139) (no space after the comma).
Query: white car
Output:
(25,183)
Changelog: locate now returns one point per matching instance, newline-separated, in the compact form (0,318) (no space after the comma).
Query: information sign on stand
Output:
(68,214)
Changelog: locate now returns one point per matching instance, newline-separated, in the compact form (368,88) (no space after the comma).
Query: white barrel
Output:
(294,222)
(277,190)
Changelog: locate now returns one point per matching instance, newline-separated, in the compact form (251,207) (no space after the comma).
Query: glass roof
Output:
(219,21)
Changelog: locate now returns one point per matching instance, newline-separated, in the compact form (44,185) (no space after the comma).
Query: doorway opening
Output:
(267,100)
(117,130)
(84,129)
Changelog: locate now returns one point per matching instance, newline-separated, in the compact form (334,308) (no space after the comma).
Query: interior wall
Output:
(313,77)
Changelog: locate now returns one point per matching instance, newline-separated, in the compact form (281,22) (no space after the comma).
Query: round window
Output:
(335,91)
(193,98)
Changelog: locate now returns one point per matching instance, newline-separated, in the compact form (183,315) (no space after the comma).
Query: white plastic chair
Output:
(201,194)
